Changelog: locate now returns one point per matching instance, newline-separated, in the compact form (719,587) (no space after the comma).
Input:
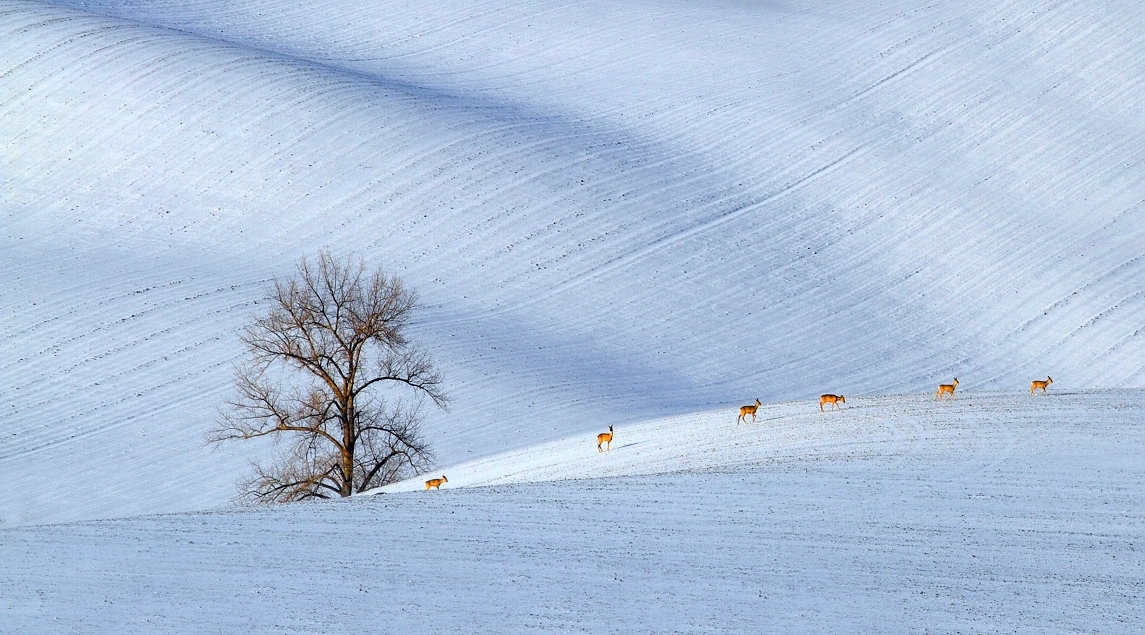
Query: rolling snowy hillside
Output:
(614,212)
(994,513)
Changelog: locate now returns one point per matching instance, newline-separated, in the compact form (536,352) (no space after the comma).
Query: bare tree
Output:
(331,369)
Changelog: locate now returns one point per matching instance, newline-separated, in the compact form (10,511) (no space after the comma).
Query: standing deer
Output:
(835,399)
(435,483)
(944,389)
(604,438)
(1037,383)
(744,411)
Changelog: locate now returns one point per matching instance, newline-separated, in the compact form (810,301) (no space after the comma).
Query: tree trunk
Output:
(349,430)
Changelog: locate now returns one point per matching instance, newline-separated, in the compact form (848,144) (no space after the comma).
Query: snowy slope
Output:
(614,211)
(994,513)
(977,431)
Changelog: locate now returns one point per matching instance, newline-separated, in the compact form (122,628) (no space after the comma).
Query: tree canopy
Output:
(330,368)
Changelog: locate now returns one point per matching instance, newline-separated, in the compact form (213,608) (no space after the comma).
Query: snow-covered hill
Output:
(996,512)
(977,431)
(614,211)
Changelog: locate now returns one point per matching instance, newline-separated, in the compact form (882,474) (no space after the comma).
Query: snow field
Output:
(640,214)
(613,211)
(973,431)
(993,513)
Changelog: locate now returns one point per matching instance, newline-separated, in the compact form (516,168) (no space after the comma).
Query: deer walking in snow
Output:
(1037,383)
(744,411)
(435,483)
(833,399)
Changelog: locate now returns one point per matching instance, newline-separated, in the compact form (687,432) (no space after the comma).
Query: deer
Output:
(744,411)
(1037,383)
(835,399)
(604,438)
(945,389)
(435,483)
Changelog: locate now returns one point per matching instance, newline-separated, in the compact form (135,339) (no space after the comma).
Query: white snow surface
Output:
(995,512)
(614,212)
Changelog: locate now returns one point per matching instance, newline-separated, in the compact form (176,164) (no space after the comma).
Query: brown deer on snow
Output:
(835,399)
(1037,383)
(744,411)
(435,483)
(944,389)
(604,438)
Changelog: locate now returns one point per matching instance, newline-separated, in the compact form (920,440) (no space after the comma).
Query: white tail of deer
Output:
(1037,383)
(835,399)
(604,438)
(435,483)
(946,389)
(744,411)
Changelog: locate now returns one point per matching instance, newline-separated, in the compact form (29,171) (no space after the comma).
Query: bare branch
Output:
(333,336)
